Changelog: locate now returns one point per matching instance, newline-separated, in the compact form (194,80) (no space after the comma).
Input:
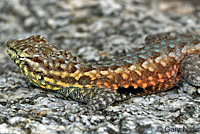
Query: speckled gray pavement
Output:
(94,30)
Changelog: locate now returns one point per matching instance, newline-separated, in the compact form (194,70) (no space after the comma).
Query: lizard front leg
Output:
(95,98)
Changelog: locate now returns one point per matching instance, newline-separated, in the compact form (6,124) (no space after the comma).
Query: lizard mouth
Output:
(12,52)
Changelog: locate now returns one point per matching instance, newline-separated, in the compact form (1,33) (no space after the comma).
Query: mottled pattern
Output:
(147,70)
(190,69)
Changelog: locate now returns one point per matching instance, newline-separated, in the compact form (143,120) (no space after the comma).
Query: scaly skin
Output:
(147,70)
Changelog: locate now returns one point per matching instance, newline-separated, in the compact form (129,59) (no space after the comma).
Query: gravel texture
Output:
(94,30)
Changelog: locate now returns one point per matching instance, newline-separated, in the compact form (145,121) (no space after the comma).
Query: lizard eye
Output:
(41,77)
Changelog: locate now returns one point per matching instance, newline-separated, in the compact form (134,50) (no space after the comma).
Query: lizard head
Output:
(39,61)
(29,55)
(26,48)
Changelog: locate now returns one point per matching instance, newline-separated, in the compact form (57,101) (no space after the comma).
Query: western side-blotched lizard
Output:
(147,70)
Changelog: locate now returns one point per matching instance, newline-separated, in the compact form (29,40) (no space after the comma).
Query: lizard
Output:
(157,66)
